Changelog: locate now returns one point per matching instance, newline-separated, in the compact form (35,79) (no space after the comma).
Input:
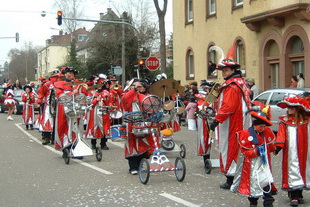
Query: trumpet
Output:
(115,85)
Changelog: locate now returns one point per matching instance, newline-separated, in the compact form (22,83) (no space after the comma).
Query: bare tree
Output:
(162,32)
(142,15)
(22,63)
(70,9)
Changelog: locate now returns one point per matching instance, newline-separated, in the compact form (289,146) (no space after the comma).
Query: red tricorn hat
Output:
(260,117)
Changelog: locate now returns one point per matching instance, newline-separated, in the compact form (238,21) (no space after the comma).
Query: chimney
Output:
(60,32)
(101,16)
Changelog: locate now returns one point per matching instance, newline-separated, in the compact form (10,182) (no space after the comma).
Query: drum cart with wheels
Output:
(149,123)
(168,145)
(75,106)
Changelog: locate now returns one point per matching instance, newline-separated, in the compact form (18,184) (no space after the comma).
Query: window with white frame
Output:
(238,2)
(240,56)
(189,7)
(211,7)
(190,64)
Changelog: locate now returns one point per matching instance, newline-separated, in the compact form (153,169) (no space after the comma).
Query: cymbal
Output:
(95,87)
(164,88)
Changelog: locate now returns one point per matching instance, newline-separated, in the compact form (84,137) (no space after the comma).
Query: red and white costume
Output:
(65,133)
(99,124)
(293,138)
(46,118)
(134,146)
(9,97)
(28,108)
(245,181)
(233,103)
(203,137)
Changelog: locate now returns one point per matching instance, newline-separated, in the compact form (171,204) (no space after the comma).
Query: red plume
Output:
(232,52)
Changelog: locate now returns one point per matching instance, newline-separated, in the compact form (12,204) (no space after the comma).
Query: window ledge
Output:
(209,16)
(237,7)
(189,22)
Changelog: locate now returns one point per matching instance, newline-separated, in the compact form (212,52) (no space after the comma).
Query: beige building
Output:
(56,51)
(271,38)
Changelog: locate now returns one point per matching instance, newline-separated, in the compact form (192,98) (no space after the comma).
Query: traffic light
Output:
(141,64)
(17,37)
(59,17)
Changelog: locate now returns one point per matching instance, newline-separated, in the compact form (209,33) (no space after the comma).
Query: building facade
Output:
(271,39)
(57,49)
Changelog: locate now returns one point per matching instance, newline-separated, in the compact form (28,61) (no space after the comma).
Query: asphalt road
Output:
(35,175)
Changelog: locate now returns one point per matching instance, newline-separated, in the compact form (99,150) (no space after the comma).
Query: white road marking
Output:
(178,200)
(60,153)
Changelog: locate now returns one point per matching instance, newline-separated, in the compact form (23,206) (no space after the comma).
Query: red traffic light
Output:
(59,18)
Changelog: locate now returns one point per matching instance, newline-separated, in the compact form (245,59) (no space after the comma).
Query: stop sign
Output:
(152,63)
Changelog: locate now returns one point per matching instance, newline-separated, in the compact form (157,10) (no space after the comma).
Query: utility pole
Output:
(123,55)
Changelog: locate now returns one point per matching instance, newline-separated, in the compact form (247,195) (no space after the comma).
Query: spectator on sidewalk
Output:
(301,80)
(191,109)
(254,89)
(294,81)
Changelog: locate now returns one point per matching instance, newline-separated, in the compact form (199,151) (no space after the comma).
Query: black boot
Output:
(229,182)
(46,138)
(103,144)
(31,126)
(27,127)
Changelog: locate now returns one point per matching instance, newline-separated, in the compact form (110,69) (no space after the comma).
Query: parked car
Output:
(274,96)
(19,103)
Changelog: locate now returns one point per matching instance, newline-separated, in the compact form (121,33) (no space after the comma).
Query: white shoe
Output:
(134,172)
(10,118)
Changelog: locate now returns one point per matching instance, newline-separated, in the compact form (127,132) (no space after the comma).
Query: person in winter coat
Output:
(256,143)
(293,139)
(191,109)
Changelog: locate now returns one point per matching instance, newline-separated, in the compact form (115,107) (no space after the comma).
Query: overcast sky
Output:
(24,17)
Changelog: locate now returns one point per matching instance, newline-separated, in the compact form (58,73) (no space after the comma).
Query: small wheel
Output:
(98,154)
(66,156)
(180,169)
(168,144)
(144,171)
(183,151)
(208,166)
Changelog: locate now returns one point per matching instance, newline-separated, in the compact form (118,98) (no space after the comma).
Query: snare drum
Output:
(118,133)
(141,129)
(116,114)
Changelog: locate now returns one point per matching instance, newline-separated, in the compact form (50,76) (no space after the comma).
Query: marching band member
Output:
(62,129)
(46,98)
(233,103)
(293,138)
(39,104)
(203,138)
(256,144)
(9,100)
(98,126)
(136,148)
(28,109)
